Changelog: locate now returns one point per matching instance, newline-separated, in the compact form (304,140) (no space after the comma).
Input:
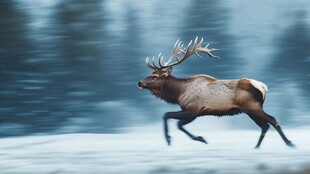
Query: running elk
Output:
(203,95)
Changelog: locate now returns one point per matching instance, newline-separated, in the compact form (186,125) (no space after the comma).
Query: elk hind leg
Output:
(261,114)
(183,122)
(264,126)
(276,125)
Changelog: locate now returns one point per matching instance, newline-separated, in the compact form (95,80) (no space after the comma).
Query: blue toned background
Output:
(71,66)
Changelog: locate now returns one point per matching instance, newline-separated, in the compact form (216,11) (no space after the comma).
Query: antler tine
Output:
(201,40)
(189,44)
(160,59)
(199,56)
(153,62)
(147,61)
(177,49)
(199,45)
(195,42)
(187,51)
(176,43)
(179,46)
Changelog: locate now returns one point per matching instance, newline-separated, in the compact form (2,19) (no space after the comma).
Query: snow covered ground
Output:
(143,150)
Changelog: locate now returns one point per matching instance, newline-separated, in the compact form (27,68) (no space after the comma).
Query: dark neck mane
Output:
(172,89)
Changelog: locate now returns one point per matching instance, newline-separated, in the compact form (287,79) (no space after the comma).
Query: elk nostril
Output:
(139,84)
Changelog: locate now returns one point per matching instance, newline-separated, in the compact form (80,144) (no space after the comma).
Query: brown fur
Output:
(204,95)
(172,88)
(235,94)
(246,84)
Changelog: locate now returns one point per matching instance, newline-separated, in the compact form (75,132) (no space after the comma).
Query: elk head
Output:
(162,71)
(155,80)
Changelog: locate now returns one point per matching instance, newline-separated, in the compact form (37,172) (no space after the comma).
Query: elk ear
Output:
(168,71)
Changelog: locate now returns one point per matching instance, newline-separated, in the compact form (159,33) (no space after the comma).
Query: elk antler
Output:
(178,49)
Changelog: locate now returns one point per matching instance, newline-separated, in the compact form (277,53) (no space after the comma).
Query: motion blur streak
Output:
(71,66)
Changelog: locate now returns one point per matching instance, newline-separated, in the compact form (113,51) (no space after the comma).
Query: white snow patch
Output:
(143,150)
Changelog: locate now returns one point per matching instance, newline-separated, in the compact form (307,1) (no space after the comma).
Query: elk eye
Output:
(154,76)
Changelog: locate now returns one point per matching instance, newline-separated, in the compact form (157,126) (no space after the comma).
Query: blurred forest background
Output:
(72,66)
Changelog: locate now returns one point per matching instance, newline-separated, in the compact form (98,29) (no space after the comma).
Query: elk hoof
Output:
(290,144)
(168,139)
(201,139)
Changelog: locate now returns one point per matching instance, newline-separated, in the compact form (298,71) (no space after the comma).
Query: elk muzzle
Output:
(140,85)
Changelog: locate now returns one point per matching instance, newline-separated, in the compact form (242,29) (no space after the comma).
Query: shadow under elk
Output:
(203,95)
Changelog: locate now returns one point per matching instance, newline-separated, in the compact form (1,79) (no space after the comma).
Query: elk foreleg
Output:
(180,115)
(183,122)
